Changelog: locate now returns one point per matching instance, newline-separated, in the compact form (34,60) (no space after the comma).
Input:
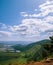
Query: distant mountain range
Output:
(15,42)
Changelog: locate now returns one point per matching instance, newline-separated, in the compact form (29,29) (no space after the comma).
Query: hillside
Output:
(35,53)
(19,47)
(29,46)
(37,43)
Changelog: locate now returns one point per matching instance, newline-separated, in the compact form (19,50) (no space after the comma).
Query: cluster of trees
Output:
(48,48)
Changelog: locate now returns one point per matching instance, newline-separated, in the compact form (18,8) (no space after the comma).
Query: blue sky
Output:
(26,20)
(10,10)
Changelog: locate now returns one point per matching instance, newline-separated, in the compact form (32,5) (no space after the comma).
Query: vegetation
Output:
(19,47)
(33,52)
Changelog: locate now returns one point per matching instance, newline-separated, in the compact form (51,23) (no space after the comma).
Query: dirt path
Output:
(46,62)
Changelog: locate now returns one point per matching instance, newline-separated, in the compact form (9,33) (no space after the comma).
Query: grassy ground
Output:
(18,61)
(12,58)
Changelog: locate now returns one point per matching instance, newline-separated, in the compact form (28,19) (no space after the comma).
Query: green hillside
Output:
(19,47)
(29,46)
(39,50)
(35,51)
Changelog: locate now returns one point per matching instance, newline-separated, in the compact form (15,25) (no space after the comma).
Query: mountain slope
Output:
(29,46)
(37,51)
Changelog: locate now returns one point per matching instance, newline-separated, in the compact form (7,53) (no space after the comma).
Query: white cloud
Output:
(33,27)
(49,19)
(38,24)
(19,28)
(3,26)
(24,14)
(5,33)
(44,9)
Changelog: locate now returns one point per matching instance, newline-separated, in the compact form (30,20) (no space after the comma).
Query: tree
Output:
(51,49)
(51,38)
(48,48)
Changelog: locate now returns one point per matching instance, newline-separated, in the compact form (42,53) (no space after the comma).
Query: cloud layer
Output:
(33,25)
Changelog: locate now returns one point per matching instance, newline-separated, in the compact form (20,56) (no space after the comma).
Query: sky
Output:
(26,20)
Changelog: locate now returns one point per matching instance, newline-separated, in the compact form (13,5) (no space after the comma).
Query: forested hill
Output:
(29,46)
(37,43)
(36,50)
